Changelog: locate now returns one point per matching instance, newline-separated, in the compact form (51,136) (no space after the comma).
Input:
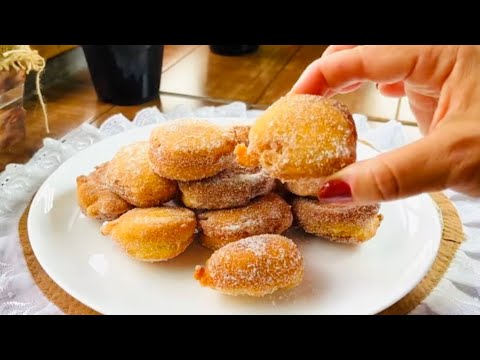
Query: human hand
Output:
(442,87)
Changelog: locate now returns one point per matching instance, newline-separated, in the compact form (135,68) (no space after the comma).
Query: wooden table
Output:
(191,75)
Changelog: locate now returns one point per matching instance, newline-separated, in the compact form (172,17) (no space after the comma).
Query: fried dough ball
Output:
(188,149)
(301,136)
(269,214)
(130,176)
(305,187)
(255,266)
(338,223)
(96,200)
(153,234)
(233,187)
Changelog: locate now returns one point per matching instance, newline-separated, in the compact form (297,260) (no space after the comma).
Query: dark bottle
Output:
(125,74)
(233,50)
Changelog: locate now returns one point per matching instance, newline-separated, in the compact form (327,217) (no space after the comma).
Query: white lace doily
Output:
(457,293)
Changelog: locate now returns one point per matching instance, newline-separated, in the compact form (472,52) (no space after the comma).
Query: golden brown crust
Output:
(305,187)
(301,136)
(241,134)
(269,214)
(96,200)
(337,223)
(153,234)
(130,176)
(233,187)
(254,266)
(188,149)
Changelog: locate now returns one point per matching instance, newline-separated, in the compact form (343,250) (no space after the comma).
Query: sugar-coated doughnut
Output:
(254,266)
(130,176)
(96,200)
(153,234)
(269,214)
(233,187)
(188,149)
(338,223)
(301,136)
(305,187)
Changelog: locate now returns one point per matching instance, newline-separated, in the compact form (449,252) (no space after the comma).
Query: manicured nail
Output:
(335,191)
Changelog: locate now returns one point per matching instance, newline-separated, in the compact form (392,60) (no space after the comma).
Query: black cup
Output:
(233,50)
(125,74)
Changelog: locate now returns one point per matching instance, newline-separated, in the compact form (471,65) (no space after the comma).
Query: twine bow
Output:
(22,57)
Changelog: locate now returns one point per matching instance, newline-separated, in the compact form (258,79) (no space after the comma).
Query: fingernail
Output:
(335,191)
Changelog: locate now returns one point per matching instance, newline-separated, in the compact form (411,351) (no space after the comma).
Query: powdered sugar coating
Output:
(255,266)
(339,223)
(233,187)
(130,176)
(153,234)
(269,214)
(191,149)
(305,187)
(96,200)
(302,136)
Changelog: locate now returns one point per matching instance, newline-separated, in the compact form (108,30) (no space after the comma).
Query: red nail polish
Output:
(335,190)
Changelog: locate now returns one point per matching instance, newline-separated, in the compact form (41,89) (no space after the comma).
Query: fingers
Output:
(392,90)
(422,166)
(423,107)
(335,48)
(383,64)
(345,90)
(349,88)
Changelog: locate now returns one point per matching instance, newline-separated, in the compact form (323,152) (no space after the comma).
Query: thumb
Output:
(422,166)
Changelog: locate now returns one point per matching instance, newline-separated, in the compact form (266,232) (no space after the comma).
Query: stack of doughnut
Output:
(194,179)
(301,139)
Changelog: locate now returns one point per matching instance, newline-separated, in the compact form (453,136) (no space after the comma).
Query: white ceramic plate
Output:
(339,279)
